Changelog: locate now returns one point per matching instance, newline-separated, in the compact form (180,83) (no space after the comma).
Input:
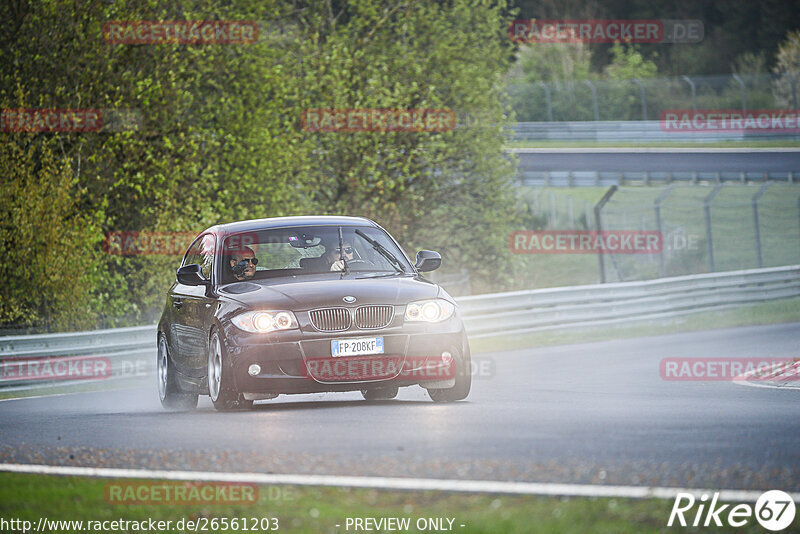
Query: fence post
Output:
(650,258)
(588,215)
(597,209)
(741,84)
(794,92)
(594,99)
(657,208)
(642,96)
(547,99)
(755,221)
(571,213)
(707,212)
(694,93)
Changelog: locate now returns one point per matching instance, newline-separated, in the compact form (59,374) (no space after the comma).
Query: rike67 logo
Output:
(774,510)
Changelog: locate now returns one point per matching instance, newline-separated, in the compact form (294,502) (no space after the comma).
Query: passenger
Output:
(334,259)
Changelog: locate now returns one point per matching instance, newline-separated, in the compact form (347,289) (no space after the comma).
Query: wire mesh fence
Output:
(646,98)
(703,228)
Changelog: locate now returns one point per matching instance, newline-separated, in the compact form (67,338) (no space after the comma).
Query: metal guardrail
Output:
(130,352)
(629,131)
(607,178)
(624,302)
(484,315)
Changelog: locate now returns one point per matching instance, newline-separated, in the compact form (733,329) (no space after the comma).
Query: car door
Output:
(193,308)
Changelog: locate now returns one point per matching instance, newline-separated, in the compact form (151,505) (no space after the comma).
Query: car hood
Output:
(309,292)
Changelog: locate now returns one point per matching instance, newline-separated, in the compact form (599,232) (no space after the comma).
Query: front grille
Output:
(369,317)
(330,319)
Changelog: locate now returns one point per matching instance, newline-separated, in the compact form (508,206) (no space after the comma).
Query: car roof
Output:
(288,222)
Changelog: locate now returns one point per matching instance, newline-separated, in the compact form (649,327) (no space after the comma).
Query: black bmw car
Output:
(302,305)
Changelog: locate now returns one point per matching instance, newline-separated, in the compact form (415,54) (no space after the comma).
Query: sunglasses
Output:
(348,250)
(254,261)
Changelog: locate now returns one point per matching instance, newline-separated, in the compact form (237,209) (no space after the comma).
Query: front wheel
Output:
(463,381)
(221,387)
(172,398)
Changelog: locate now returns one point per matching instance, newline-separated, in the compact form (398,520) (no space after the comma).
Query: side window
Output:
(202,253)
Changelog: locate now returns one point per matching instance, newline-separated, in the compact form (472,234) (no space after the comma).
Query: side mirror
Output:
(428,260)
(191,275)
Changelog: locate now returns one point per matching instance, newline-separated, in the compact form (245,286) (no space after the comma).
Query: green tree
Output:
(628,62)
(787,66)
(447,190)
(49,248)
(219,136)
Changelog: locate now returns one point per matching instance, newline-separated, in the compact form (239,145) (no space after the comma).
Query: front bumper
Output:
(300,361)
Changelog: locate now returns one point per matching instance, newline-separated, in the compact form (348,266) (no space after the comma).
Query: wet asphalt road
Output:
(586,413)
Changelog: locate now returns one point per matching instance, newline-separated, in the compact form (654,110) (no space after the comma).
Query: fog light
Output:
(254,369)
(447,357)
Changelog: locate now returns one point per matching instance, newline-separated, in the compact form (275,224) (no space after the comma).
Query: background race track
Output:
(659,159)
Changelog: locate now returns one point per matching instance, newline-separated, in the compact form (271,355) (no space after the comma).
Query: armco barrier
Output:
(127,349)
(624,302)
(484,315)
(629,131)
(658,178)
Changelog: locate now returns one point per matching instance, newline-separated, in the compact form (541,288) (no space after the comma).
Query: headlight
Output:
(430,311)
(265,321)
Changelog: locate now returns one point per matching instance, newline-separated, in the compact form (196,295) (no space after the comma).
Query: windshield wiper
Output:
(384,275)
(383,251)
(345,269)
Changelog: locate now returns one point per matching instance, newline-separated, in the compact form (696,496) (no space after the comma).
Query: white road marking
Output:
(70,393)
(396,483)
(744,380)
(770,386)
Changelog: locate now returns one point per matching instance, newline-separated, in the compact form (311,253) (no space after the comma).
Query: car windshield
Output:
(364,251)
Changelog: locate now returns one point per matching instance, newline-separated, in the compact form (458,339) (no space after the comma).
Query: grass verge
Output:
(320,509)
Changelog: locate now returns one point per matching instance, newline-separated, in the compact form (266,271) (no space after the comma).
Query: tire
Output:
(463,381)
(221,386)
(380,393)
(172,398)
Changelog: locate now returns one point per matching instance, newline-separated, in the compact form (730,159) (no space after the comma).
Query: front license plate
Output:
(356,346)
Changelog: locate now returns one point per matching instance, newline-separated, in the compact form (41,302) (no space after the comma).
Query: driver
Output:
(334,259)
(243,263)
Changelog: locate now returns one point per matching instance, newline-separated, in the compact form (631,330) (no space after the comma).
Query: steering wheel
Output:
(354,262)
